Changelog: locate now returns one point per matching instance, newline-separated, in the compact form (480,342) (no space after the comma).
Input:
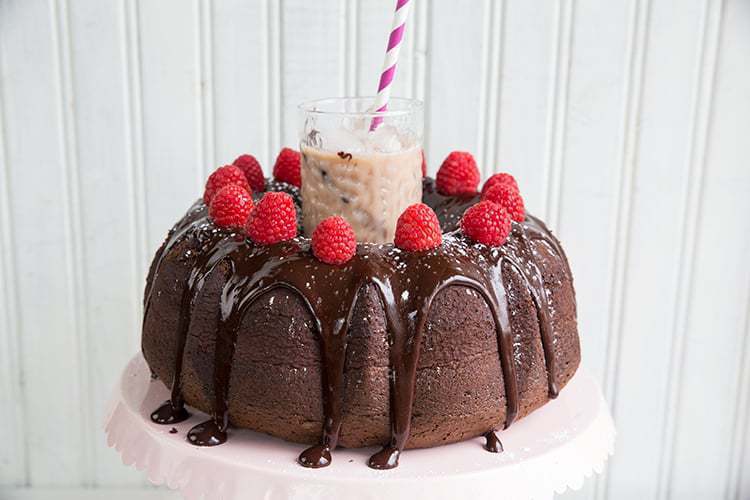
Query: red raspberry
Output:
(487,223)
(287,167)
(424,165)
(222,176)
(509,198)
(458,175)
(418,229)
(333,241)
(273,219)
(501,178)
(251,168)
(231,206)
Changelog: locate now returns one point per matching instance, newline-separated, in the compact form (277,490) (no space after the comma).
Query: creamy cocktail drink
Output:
(367,175)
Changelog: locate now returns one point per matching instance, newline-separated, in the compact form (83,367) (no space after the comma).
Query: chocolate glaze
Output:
(407,283)
(449,209)
(316,456)
(209,433)
(493,444)
(170,413)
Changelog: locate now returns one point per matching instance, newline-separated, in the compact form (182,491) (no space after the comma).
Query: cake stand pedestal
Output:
(554,448)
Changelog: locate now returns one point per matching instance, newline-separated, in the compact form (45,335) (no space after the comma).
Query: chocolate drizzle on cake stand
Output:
(554,448)
(406,282)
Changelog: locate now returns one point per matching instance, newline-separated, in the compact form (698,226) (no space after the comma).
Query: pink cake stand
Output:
(553,449)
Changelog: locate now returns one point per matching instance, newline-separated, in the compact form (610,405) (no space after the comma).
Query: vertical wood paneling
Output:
(13,454)
(557,117)
(638,26)
(375,17)
(75,250)
(738,478)
(453,93)
(240,91)
(741,488)
(205,56)
(133,136)
(310,62)
(705,71)
(101,122)
(714,336)
(35,142)
(418,72)
(420,30)
(668,107)
(409,53)
(591,156)
(493,31)
(172,97)
(531,79)
(273,81)
(620,228)
(668,91)
(349,47)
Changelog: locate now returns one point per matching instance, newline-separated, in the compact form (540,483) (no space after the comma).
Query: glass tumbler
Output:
(362,169)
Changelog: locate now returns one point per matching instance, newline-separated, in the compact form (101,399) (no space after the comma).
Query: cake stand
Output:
(554,448)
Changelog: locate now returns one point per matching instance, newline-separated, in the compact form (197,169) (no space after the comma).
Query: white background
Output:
(627,124)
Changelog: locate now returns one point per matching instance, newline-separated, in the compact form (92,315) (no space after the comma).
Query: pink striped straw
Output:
(391,58)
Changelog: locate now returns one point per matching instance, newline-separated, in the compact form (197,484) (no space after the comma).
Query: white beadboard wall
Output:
(627,124)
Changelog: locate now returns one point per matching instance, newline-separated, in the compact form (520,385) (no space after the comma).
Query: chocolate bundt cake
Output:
(393,348)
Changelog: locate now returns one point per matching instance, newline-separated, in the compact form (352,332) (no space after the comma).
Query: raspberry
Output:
(418,229)
(501,178)
(253,173)
(487,223)
(273,219)
(231,206)
(424,165)
(333,241)
(287,167)
(509,198)
(222,176)
(458,175)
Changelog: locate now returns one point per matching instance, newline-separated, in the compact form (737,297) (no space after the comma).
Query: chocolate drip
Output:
(385,459)
(211,252)
(539,296)
(535,230)
(170,413)
(208,433)
(455,263)
(539,232)
(406,282)
(173,410)
(190,223)
(450,209)
(213,432)
(492,444)
(316,456)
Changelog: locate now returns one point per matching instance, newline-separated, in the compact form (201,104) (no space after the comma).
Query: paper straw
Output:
(391,58)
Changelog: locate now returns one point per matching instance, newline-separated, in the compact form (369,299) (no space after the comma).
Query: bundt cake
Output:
(392,348)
